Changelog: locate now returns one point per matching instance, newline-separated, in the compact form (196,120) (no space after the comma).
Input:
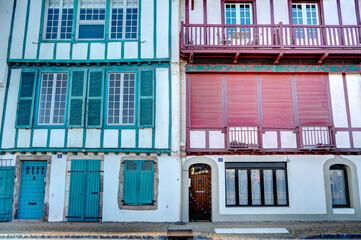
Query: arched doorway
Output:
(200,201)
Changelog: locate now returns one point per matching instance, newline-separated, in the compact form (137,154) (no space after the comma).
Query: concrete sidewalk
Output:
(201,230)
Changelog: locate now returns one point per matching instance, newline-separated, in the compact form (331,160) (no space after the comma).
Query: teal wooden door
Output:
(6,192)
(84,191)
(32,190)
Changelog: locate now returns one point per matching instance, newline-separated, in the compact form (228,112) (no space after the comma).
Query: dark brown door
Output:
(200,193)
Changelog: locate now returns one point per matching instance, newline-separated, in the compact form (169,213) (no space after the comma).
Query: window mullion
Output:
(124,19)
(238,15)
(51,121)
(249,187)
(121,104)
(275,199)
(61,6)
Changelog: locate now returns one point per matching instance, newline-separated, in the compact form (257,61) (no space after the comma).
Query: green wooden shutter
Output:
(130,186)
(146,98)
(77,191)
(92,191)
(146,183)
(76,99)
(24,116)
(6,192)
(95,99)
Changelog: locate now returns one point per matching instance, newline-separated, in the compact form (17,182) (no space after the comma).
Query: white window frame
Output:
(121,106)
(45,24)
(89,22)
(125,7)
(238,15)
(53,95)
(304,12)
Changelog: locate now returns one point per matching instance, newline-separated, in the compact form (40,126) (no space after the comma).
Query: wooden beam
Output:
(325,55)
(277,60)
(236,58)
(191,55)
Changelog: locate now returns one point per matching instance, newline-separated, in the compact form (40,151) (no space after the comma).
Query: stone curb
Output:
(38,236)
(334,236)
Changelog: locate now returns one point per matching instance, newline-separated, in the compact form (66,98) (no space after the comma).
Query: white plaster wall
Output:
(128,138)
(338,100)
(11,107)
(92,138)
(330,12)
(145,138)
(147,29)
(263,12)
(162,108)
(130,50)
(281,11)
(111,138)
(75,137)
(216,139)
(354,98)
(269,139)
(32,38)
(97,51)
(46,51)
(6,9)
(168,198)
(24,138)
(342,140)
(57,188)
(57,137)
(114,50)
(40,137)
(196,15)
(348,12)
(288,139)
(63,51)
(213,12)
(305,197)
(197,139)
(163,28)
(17,39)
(356,139)
(80,50)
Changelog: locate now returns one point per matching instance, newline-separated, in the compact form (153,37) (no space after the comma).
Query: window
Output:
(339,186)
(91,20)
(256,184)
(305,14)
(121,98)
(138,185)
(52,99)
(124,19)
(238,13)
(59,19)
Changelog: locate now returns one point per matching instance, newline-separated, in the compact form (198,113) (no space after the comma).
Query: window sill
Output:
(343,211)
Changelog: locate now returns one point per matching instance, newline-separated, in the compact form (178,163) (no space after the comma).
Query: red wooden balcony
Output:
(278,41)
(316,137)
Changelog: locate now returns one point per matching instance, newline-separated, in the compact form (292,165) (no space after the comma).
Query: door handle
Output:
(94,192)
(32,203)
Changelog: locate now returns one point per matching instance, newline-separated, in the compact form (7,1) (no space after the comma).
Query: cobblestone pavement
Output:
(201,230)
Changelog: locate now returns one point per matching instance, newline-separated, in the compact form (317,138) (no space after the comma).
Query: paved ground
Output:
(201,230)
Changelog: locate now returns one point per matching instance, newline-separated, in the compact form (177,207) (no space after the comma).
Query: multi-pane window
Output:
(305,14)
(256,184)
(121,98)
(124,19)
(52,103)
(59,19)
(91,19)
(238,13)
(338,177)
(138,185)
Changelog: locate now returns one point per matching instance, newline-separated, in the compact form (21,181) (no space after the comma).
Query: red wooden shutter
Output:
(312,99)
(206,101)
(242,100)
(277,101)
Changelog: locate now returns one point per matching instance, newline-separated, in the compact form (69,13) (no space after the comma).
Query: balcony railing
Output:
(316,137)
(243,137)
(269,36)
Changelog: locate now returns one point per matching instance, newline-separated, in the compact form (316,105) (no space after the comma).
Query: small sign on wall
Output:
(60,156)
(220,159)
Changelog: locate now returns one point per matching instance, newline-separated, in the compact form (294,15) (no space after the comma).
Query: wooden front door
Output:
(200,201)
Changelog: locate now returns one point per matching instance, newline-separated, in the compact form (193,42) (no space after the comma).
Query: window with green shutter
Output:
(138,188)
(95,99)
(24,116)
(76,99)
(146,98)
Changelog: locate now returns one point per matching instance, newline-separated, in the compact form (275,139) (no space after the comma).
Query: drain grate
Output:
(179,234)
